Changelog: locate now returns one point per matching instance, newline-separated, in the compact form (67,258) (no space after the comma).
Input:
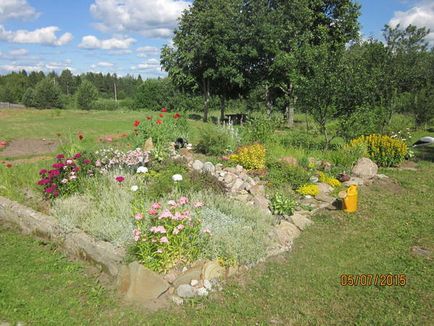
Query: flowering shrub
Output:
(163,130)
(308,190)
(169,234)
(64,175)
(250,156)
(109,159)
(406,137)
(383,150)
(329,180)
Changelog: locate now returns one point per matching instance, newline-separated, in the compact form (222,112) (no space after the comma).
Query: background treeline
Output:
(264,55)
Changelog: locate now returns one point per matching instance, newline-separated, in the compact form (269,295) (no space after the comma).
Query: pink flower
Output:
(156,206)
(183,200)
(164,240)
(186,215)
(43,171)
(138,216)
(98,163)
(177,217)
(86,161)
(165,214)
(53,173)
(120,179)
(180,227)
(76,156)
(175,231)
(152,212)
(172,203)
(198,204)
(137,234)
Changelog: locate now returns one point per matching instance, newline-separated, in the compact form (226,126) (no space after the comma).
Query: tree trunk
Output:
(222,108)
(205,100)
(268,102)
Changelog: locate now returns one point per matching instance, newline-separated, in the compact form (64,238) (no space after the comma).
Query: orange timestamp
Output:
(373,279)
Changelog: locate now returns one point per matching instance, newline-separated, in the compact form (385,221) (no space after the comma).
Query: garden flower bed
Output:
(186,223)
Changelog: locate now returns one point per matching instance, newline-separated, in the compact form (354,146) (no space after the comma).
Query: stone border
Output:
(75,244)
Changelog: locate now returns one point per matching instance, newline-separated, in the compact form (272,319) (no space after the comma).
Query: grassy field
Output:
(39,286)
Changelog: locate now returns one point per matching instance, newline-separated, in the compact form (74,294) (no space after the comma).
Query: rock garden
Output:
(168,220)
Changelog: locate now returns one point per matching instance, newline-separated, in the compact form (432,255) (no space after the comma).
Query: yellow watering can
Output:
(349,199)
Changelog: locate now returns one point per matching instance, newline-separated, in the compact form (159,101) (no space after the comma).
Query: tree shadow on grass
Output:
(425,153)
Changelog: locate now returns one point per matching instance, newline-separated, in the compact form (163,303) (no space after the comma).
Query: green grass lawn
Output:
(41,287)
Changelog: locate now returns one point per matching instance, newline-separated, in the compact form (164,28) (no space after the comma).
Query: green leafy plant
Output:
(260,127)
(282,205)
(169,234)
(280,174)
(216,141)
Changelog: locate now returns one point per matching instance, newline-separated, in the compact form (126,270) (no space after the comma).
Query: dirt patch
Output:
(27,147)
(389,185)
(408,166)
(111,138)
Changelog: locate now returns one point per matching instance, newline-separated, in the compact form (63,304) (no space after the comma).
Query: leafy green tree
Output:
(87,94)
(48,94)
(66,82)
(29,98)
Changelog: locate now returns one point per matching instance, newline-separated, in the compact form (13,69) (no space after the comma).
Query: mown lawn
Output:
(40,287)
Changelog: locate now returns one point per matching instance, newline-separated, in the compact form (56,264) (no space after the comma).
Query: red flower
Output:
(120,179)
(159,122)
(161,115)
(58,165)
(43,171)
(136,123)
(53,173)
(163,110)
(60,156)
(80,136)
(86,161)
(176,116)
(149,118)
(76,156)
(43,182)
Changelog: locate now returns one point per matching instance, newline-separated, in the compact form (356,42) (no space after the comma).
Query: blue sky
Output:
(124,36)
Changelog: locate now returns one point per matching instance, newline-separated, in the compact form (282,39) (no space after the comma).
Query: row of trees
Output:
(18,86)
(301,54)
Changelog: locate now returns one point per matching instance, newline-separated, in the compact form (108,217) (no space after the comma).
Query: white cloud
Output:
(40,66)
(16,9)
(145,51)
(104,64)
(92,42)
(421,15)
(150,18)
(15,53)
(45,35)
(150,65)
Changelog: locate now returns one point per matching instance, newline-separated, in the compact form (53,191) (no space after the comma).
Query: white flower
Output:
(177,177)
(142,169)
(134,188)
(64,181)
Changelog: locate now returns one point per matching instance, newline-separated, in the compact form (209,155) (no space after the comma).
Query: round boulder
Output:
(365,168)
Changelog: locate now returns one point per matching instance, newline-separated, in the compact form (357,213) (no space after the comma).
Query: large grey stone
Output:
(324,187)
(262,203)
(185,291)
(365,168)
(213,270)
(209,167)
(257,190)
(300,221)
(237,185)
(324,198)
(193,273)
(197,165)
(286,233)
(139,284)
(354,181)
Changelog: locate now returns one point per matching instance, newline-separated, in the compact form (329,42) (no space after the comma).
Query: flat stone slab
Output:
(300,221)
(25,147)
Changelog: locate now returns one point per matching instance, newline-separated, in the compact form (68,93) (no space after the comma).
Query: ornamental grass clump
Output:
(383,150)
(64,175)
(168,234)
(251,157)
